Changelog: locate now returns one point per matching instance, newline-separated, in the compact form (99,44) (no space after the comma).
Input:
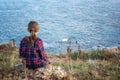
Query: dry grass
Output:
(93,65)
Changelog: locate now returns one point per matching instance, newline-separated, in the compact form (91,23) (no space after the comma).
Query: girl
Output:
(32,49)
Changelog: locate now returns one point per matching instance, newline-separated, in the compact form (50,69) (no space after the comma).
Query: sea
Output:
(90,23)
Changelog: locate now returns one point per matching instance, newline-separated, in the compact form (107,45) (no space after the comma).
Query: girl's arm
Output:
(22,48)
(41,47)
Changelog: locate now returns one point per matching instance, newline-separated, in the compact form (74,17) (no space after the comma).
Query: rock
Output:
(50,72)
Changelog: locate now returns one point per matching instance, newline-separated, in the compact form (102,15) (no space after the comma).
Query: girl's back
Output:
(32,49)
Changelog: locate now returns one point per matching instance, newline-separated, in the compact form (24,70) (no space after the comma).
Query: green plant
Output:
(84,55)
(74,55)
(8,58)
(97,54)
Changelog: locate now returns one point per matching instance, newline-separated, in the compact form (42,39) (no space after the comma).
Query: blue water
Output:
(90,22)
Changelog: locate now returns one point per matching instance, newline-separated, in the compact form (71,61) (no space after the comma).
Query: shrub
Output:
(74,55)
(8,59)
(97,54)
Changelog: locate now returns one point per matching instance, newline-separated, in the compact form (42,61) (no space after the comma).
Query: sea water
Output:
(89,22)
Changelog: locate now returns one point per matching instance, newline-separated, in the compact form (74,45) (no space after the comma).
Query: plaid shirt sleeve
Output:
(41,48)
(22,48)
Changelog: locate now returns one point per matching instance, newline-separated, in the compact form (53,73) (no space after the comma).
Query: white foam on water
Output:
(64,40)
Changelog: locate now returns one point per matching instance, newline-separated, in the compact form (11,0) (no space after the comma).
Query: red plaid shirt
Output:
(35,56)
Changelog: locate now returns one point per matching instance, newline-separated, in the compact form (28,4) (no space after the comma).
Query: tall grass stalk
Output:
(79,52)
(69,52)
